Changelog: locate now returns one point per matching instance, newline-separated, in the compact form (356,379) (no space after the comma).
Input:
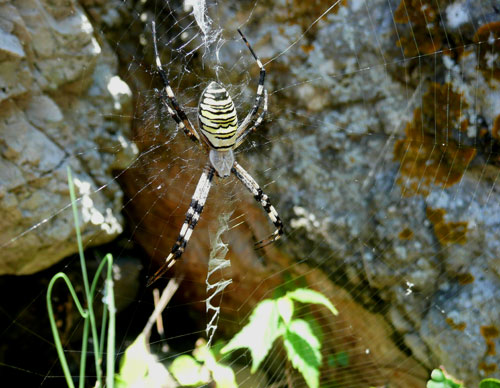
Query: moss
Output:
(489,332)
(307,48)
(420,12)
(488,38)
(435,216)
(495,131)
(456,326)
(456,52)
(424,36)
(487,368)
(429,154)
(489,141)
(447,232)
(304,13)
(465,278)
(406,234)
(490,348)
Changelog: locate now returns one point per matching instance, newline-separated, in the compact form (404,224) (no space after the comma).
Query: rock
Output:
(395,201)
(61,104)
(380,155)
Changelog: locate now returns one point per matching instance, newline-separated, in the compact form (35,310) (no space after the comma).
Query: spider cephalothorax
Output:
(220,134)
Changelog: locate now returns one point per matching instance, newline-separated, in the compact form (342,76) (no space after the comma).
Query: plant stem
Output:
(88,297)
(53,326)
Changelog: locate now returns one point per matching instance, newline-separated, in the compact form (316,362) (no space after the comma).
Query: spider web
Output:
(380,152)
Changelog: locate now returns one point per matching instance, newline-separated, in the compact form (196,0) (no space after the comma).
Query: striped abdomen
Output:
(217,117)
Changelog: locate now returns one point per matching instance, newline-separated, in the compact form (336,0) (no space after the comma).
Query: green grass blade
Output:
(109,306)
(83,358)
(53,326)
(83,266)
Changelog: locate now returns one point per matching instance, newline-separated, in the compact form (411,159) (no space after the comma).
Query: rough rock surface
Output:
(61,104)
(391,204)
(395,200)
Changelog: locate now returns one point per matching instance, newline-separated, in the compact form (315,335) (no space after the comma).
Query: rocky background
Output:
(380,151)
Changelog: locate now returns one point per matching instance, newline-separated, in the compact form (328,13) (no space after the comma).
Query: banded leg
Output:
(192,217)
(260,90)
(177,113)
(259,196)
(242,137)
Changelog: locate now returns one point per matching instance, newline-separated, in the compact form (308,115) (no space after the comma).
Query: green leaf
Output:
(305,295)
(303,350)
(187,371)
(285,308)
(341,358)
(217,347)
(437,375)
(315,326)
(489,383)
(259,333)
(134,364)
(202,353)
(223,376)
(434,384)
(441,379)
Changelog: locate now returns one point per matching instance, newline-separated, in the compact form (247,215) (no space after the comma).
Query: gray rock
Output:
(333,152)
(340,98)
(453,328)
(62,105)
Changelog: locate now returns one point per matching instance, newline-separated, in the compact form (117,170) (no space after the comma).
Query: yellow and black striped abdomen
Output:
(217,117)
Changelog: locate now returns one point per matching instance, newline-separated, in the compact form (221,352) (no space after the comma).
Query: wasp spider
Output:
(218,134)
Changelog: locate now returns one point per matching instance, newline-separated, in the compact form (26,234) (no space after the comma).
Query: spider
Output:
(218,134)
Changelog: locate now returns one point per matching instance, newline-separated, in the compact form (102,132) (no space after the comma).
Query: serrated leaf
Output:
(202,353)
(259,333)
(303,350)
(437,375)
(489,383)
(223,376)
(187,371)
(217,347)
(305,295)
(285,308)
(441,379)
(435,384)
(134,364)
(315,326)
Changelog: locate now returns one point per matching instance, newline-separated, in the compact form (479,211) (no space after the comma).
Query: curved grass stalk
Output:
(83,266)
(88,314)
(109,303)
(53,326)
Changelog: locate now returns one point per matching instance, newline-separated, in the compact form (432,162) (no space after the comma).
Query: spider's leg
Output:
(178,115)
(242,137)
(259,196)
(260,90)
(192,217)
